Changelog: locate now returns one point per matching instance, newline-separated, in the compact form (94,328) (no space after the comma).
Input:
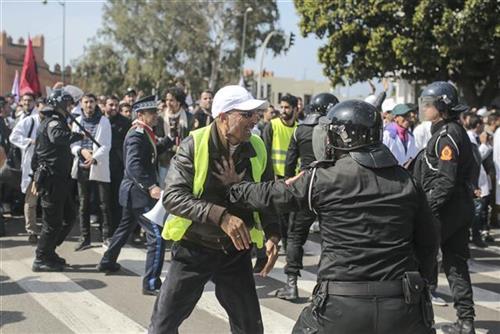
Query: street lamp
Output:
(62,3)
(242,55)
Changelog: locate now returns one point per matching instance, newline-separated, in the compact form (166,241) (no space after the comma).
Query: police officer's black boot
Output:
(460,327)
(46,265)
(290,290)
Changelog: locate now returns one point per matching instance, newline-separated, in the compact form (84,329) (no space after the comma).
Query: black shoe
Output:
(290,290)
(478,242)
(33,239)
(57,259)
(108,268)
(40,265)
(259,265)
(460,327)
(148,292)
(84,244)
(489,238)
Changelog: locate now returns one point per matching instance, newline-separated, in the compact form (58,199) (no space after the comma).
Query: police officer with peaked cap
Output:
(446,177)
(378,238)
(139,192)
(298,230)
(51,163)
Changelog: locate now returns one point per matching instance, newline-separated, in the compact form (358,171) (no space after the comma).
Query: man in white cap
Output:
(212,237)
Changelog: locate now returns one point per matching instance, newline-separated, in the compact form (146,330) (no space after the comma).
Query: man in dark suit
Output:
(139,191)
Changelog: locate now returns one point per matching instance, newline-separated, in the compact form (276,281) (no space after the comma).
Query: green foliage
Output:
(199,41)
(419,40)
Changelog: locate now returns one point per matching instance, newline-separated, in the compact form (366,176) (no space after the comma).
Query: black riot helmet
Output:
(354,124)
(321,102)
(60,100)
(444,96)
(318,107)
(355,127)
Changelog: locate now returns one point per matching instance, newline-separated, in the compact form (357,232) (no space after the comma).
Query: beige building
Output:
(273,88)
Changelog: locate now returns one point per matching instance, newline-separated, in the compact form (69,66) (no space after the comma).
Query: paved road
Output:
(81,300)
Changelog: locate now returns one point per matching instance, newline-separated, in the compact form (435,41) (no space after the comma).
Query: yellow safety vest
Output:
(282,135)
(175,227)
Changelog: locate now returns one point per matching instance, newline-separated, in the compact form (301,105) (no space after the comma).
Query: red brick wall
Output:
(11,59)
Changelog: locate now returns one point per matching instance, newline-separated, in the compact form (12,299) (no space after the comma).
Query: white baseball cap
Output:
(235,97)
(388,105)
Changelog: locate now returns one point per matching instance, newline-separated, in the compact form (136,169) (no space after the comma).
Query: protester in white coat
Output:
(474,128)
(397,135)
(422,134)
(91,168)
(23,136)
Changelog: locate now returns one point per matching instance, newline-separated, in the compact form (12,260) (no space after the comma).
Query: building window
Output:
(307,99)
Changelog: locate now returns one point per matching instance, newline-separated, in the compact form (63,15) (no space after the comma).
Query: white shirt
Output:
(397,148)
(422,134)
(496,160)
(484,182)
(21,138)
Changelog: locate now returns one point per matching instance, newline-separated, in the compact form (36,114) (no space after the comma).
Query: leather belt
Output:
(379,289)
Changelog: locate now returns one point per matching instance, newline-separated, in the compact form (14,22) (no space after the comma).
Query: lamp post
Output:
(261,65)
(242,54)
(62,3)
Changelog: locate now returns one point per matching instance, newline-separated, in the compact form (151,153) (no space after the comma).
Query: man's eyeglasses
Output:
(248,114)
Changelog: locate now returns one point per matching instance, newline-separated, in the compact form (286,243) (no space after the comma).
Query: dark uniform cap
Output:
(130,91)
(148,103)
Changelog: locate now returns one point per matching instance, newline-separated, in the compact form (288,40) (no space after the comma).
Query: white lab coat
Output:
(100,170)
(21,138)
(496,160)
(484,182)
(422,134)
(397,147)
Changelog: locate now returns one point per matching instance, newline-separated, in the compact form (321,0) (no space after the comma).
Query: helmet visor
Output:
(425,102)
(319,138)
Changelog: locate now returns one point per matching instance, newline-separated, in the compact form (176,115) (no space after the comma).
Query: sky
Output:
(20,18)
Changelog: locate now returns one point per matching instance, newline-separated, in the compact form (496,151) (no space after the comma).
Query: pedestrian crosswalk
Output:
(67,298)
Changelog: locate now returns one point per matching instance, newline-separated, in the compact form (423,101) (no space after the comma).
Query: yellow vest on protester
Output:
(175,227)
(282,135)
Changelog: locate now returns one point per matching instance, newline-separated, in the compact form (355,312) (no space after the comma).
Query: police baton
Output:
(87,134)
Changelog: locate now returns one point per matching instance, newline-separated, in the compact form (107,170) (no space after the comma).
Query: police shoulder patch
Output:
(53,123)
(446,153)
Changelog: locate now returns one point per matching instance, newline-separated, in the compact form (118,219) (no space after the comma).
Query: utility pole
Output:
(243,38)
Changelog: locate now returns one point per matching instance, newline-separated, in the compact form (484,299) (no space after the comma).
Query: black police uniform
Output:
(119,128)
(140,152)
(377,231)
(300,222)
(52,158)
(447,181)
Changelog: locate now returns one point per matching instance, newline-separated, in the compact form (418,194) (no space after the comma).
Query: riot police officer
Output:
(51,162)
(447,179)
(298,230)
(378,238)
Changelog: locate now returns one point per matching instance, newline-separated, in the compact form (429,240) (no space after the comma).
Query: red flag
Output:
(29,75)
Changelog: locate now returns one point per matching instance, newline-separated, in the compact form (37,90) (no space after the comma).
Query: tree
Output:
(101,70)
(418,40)
(196,40)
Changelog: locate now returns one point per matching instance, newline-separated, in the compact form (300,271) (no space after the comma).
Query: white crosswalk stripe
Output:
(274,322)
(84,312)
(77,308)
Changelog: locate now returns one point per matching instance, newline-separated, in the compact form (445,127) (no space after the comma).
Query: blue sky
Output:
(84,17)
